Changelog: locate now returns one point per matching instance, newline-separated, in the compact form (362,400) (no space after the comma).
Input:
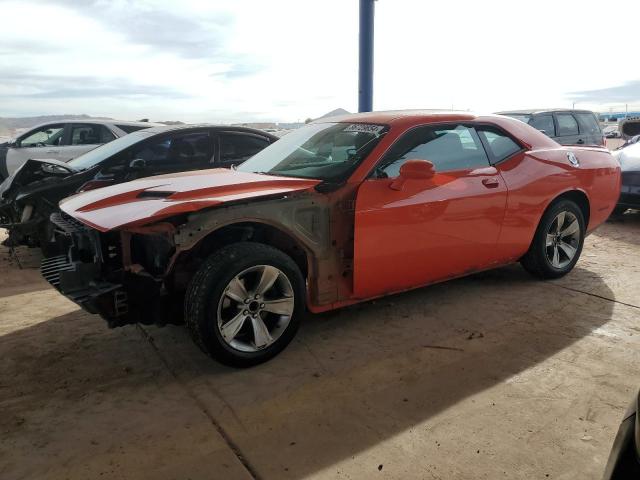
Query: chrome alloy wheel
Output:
(563,239)
(255,308)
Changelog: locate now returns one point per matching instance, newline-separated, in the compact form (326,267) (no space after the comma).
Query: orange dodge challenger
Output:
(338,212)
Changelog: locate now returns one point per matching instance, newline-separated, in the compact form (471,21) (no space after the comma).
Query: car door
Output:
(42,142)
(430,229)
(82,138)
(236,147)
(567,129)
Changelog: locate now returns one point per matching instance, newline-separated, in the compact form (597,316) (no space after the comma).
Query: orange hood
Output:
(151,199)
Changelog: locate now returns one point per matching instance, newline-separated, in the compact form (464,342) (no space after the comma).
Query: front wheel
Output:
(244,305)
(558,241)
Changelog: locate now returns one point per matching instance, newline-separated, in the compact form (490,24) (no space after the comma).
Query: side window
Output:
(588,124)
(188,148)
(238,147)
(51,135)
(544,123)
(90,134)
(567,125)
(448,148)
(500,144)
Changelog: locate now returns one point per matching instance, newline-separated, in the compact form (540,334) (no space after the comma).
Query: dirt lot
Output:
(493,376)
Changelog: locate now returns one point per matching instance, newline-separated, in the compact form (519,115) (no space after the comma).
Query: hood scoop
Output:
(155,194)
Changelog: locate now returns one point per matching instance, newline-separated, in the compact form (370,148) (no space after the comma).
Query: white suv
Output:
(62,141)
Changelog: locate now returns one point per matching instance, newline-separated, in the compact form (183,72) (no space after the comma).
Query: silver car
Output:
(62,141)
(629,158)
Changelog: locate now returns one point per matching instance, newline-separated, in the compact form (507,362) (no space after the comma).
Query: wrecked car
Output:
(629,128)
(32,193)
(62,141)
(340,211)
(629,158)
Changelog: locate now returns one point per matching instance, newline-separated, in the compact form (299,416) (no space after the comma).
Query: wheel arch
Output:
(579,197)
(242,231)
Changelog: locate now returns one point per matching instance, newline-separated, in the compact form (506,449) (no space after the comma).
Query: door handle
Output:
(50,151)
(580,141)
(491,183)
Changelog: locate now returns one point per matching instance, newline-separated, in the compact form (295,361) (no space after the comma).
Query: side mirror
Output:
(413,170)
(137,164)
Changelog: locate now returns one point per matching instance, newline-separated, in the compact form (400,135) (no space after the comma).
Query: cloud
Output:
(240,70)
(38,86)
(188,35)
(626,93)
(143,23)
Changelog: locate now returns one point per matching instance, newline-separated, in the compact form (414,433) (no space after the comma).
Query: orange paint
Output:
(408,232)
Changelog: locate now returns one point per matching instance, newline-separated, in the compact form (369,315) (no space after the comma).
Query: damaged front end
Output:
(24,223)
(117,275)
(24,203)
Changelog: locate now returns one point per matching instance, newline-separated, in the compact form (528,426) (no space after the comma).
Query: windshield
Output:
(323,151)
(97,155)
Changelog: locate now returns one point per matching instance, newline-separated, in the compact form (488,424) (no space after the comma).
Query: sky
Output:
(286,60)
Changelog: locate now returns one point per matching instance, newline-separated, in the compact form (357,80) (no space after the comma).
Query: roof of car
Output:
(98,121)
(171,128)
(394,115)
(110,121)
(125,122)
(542,110)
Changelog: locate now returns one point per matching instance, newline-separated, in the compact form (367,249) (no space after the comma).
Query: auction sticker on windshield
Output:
(364,128)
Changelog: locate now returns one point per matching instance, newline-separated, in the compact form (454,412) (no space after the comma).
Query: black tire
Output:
(208,286)
(536,261)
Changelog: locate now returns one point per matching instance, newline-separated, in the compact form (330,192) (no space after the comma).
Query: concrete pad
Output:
(497,375)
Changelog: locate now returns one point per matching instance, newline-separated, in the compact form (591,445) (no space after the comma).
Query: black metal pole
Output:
(365,79)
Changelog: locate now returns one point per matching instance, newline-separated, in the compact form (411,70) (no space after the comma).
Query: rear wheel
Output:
(244,305)
(558,241)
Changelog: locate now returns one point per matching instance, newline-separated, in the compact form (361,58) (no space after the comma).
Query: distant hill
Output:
(335,113)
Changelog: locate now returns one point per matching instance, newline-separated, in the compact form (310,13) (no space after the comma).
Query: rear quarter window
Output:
(544,123)
(588,124)
(238,147)
(567,125)
(500,144)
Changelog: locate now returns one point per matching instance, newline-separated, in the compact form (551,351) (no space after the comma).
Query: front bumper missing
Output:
(136,299)
(78,282)
(92,275)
